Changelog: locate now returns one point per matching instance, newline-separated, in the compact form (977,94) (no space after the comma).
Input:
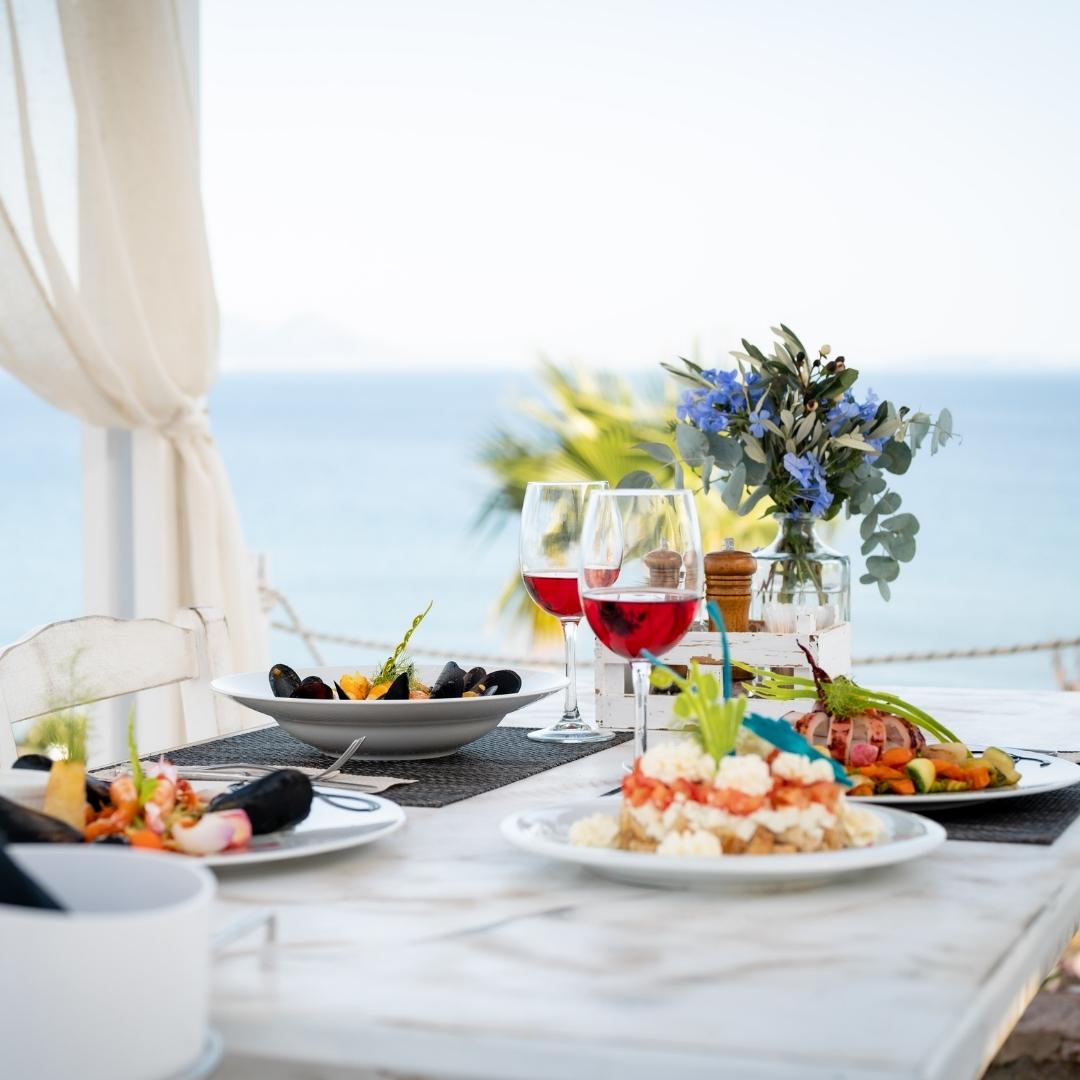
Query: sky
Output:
(478,184)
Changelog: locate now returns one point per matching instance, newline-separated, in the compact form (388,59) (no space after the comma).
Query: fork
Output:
(247,772)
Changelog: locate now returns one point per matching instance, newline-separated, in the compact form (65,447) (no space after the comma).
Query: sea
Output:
(364,491)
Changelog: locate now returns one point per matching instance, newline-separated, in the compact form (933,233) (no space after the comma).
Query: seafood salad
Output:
(396,680)
(880,739)
(152,806)
(733,785)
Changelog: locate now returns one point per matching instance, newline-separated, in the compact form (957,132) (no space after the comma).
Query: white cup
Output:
(117,986)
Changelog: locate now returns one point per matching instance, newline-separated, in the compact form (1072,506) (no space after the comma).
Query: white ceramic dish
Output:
(546,832)
(391,729)
(24,786)
(1039,773)
(142,919)
(331,826)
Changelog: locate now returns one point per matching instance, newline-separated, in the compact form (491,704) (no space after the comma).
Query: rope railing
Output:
(311,638)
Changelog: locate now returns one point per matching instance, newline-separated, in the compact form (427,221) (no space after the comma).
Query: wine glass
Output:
(650,602)
(549,555)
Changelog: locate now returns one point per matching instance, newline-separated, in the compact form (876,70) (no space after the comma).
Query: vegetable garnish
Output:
(145,786)
(398,662)
(841,696)
(715,721)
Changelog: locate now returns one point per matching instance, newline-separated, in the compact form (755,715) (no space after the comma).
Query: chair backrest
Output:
(97,658)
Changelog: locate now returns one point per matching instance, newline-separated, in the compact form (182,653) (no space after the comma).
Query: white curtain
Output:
(129,340)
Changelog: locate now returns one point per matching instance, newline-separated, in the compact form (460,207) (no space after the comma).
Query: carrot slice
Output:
(145,838)
(902,787)
(949,770)
(897,757)
(978,776)
(880,772)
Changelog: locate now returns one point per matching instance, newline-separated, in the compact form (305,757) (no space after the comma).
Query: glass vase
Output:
(801,585)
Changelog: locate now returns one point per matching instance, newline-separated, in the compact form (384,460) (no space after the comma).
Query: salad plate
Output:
(338,820)
(546,832)
(391,729)
(1039,774)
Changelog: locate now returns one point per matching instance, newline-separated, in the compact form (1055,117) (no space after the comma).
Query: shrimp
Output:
(125,806)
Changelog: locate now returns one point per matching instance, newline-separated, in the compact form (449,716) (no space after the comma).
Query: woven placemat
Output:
(501,757)
(1030,819)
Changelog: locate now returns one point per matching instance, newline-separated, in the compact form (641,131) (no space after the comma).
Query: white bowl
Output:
(24,786)
(117,986)
(391,729)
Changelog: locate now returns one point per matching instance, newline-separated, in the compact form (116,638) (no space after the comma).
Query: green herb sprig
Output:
(398,662)
(700,710)
(145,786)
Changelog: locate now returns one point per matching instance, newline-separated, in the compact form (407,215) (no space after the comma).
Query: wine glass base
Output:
(571,733)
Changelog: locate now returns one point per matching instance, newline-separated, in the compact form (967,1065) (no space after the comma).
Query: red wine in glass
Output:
(632,621)
(599,577)
(555,591)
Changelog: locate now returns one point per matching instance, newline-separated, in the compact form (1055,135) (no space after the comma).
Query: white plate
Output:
(329,827)
(546,832)
(391,729)
(1039,773)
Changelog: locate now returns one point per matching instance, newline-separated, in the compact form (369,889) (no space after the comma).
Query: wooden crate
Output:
(615,696)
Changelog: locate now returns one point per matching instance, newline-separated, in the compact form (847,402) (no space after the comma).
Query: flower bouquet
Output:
(790,429)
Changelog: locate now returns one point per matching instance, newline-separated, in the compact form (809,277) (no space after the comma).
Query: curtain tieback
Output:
(188,422)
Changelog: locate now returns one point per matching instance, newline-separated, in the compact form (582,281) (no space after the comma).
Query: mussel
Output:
(19,889)
(474,679)
(97,790)
(398,689)
(450,683)
(313,687)
(21,825)
(284,682)
(275,801)
(503,681)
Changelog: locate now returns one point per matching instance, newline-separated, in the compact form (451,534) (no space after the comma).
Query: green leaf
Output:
(902,523)
(726,450)
(389,670)
(852,442)
(883,567)
(867,579)
(900,546)
(754,450)
(752,500)
(706,472)
(682,707)
(895,457)
(870,543)
(692,443)
(133,752)
(639,478)
(787,419)
(869,524)
(657,451)
(790,335)
(888,504)
(733,489)
(662,678)
(146,787)
(884,589)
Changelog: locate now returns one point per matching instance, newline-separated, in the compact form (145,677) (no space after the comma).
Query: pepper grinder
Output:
(665,567)
(728,579)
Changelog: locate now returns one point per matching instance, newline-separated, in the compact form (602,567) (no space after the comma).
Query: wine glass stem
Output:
(640,671)
(569,629)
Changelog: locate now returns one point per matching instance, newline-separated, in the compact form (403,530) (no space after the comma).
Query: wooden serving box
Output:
(831,649)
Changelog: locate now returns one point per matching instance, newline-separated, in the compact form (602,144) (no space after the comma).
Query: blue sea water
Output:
(363,488)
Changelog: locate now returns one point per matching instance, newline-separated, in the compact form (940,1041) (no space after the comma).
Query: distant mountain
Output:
(304,342)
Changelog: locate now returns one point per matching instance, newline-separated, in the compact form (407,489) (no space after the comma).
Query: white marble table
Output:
(443,952)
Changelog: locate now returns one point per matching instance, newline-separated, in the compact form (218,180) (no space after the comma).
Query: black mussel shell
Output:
(450,683)
(21,825)
(505,681)
(313,687)
(489,691)
(398,689)
(284,682)
(275,801)
(117,839)
(339,693)
(19,889)
(474,678)
(97,790)
(37,762)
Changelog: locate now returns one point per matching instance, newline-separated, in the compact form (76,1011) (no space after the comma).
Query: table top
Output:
(444,952)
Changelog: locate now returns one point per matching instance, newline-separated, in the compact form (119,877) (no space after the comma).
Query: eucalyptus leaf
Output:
(639,478)
(657,451)
(726,451)
(733,489)
(895,457)
(692,443)
(889,504)
(918,428)
(902,523)
(756,473)
(706,473)
(883,567)
(884,589)
(901,546)
(870,543)
(752,500)
(869,524)
(867,579)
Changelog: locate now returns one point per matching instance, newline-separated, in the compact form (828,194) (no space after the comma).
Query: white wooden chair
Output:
(97,658)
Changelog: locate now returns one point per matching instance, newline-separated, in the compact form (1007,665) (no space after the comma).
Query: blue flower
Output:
(801,468)
(877,444)
(847,408)
(700,408)
(868,409)
(757,428)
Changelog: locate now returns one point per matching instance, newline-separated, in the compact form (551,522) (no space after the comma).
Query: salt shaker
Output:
(729,575)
